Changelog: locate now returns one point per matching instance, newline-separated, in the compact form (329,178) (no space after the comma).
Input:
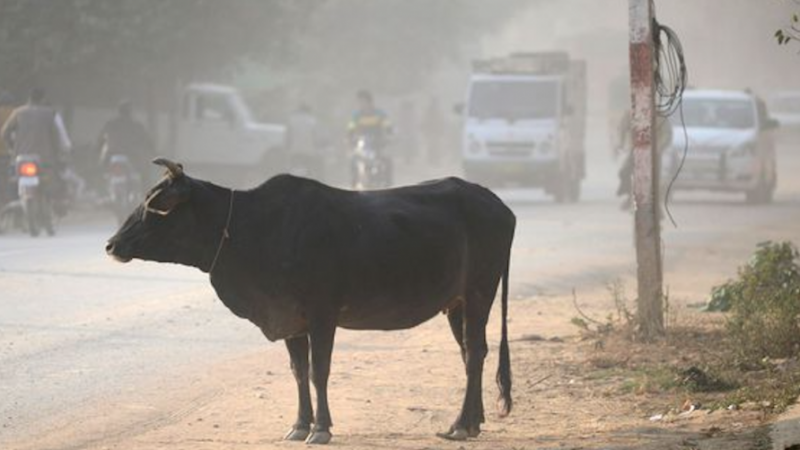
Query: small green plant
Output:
(764,302)
(722,296)
(580,323)
(789,33)
(617,291)
(650,380)
(621,319)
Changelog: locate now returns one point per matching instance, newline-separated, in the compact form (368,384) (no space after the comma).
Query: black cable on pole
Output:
(671,76)
(671,79)
(680,165)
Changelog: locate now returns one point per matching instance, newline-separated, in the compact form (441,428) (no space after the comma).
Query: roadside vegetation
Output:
(744,355)
(764,304)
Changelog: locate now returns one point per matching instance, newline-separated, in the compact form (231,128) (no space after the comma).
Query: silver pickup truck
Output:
(218,138)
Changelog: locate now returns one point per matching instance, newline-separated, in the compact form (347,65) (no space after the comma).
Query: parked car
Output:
(731,145)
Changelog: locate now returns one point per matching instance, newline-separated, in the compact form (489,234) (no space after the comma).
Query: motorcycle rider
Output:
(124,135)
(373,123)
(32,129)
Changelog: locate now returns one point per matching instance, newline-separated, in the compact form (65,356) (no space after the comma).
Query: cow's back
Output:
(415,247)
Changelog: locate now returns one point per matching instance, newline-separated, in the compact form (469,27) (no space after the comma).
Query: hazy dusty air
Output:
(727,43)
(369,259)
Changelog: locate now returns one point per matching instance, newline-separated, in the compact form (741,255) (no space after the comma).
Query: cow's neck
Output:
(212,204)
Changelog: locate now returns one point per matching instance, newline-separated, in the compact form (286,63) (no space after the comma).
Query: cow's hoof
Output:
(474,432)
(297,434)
(455,434)
(319,438)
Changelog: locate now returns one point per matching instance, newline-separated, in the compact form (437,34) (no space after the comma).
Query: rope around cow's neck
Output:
(224,237)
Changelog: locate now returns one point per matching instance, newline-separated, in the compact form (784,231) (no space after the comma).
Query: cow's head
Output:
(164,227)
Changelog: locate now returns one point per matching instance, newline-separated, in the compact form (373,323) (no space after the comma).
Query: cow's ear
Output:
(164,200)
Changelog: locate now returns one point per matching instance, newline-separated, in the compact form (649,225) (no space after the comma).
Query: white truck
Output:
(525,121)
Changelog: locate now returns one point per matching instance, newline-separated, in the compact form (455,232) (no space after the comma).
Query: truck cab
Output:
(218,138)
(524,123)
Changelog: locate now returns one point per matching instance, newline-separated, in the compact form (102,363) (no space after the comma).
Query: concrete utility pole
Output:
(650,307)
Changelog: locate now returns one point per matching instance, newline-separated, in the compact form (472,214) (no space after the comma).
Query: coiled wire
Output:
(671,79)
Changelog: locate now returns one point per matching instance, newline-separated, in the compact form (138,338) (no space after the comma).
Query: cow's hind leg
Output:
(298,352)
(468,423)
(456,318)
(321,336)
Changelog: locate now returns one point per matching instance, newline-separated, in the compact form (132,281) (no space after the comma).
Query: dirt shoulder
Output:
(396,390)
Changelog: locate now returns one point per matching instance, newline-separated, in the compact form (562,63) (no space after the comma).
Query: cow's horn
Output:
(175,169)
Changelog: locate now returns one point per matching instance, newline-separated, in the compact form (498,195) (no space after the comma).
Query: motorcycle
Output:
(124,186)
(370,169)
(34,202)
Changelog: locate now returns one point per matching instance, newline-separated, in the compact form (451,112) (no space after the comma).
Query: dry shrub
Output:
(765,303)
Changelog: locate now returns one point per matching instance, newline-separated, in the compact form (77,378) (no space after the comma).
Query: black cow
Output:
(299,259)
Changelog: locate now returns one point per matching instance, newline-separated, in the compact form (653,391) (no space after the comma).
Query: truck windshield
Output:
(717,113)
(514,100)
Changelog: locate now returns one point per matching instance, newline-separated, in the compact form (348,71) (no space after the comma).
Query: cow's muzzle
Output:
(111,250)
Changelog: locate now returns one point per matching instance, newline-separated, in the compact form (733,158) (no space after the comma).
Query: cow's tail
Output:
(504,366)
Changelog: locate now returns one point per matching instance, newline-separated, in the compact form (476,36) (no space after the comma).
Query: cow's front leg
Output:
(298,352)
(321,335)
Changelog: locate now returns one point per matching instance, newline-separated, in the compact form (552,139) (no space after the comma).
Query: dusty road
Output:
(95,354)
